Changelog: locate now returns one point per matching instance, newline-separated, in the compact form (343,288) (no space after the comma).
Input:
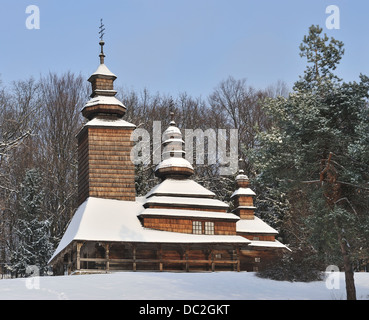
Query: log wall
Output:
(105,169)
(243,201)
(247,214)
(102,84)
(258,260)
(185,225)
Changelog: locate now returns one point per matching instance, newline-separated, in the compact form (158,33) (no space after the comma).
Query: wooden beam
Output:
(212,260)
(79,246)
(107,247)
(160,257)
(186,257)
(238,259)
(69,265)
(134,257)
(204,261)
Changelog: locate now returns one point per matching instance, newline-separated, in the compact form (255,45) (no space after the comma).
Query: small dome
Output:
(174,164)
(103,70)
(242,176)
(172,132)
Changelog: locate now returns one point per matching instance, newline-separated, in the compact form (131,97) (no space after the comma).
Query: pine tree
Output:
(318,149)
(33,233)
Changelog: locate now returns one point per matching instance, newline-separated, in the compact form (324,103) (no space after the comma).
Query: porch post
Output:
(134,256)
(69,266)
(160,256)
(186,255)
(238,259)
(107,246)
(212,261)
(79,246)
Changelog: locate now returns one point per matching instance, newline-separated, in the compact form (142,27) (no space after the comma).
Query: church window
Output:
(196,227)
(209,227)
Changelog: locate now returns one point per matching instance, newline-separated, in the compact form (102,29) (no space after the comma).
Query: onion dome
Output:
(242,180)
(243,197)
(174,165)
(103,104)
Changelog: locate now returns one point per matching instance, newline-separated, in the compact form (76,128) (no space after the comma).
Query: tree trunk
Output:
(349,273)
(332,195)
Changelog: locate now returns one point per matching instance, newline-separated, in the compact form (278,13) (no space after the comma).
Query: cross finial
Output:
(101,32)
(171,112)
(172,122)
(102,29)
(240,162)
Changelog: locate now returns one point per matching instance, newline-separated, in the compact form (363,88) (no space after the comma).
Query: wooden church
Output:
(178,226)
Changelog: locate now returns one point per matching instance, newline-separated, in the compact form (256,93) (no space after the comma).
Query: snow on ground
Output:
(174,286)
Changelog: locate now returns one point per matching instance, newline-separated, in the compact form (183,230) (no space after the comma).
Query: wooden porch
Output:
(103,257)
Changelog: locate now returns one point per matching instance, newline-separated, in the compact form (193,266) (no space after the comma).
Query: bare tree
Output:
(17,105)
(234,104)
(62,98)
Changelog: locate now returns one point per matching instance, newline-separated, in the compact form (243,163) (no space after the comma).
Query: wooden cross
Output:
(102,29)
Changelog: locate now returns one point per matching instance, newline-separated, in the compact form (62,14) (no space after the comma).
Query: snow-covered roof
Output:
(258,226)
(255,225)
(172,131)
(243,192)
(242,176)
(114,220)
(268,244)
(174,162)
(188,213)
(104,71)
(109,123)
(187,201)
(245,207)
(107,100)
(185,187)
(103,92)
(174,141)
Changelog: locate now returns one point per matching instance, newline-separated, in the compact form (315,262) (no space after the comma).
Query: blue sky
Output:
(174,46)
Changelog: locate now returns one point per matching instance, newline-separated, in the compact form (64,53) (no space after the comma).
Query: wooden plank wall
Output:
(83,167)
(102,84)
(185,225)
(244,201)
(105,166)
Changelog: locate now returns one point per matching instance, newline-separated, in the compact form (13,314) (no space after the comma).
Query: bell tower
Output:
(105,169)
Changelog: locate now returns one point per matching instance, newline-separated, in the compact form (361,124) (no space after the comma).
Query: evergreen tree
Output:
(317,153)
(33,233)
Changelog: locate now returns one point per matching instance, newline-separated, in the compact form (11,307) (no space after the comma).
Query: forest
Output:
(305,150)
